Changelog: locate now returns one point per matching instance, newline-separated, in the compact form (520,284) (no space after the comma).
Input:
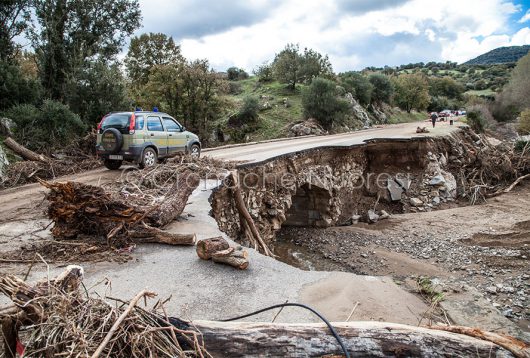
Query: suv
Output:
(143,138)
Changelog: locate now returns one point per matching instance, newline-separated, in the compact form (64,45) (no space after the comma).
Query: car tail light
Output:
(132,123)
(101,122)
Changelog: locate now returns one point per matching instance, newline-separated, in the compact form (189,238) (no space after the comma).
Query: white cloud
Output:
(525,18)
(358,34)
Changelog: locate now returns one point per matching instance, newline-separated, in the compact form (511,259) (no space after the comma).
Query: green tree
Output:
(291,66)
(524,123)
(249,109)
(190,91)
(71,33)
(147,51)
(47,127)
(96,90)
(383,89)
(287,66)
(358,85)
(236,74)
(15,88)
(321,101)
(264,72)
(412,92)
(14,19)
(445,87)
(517,92)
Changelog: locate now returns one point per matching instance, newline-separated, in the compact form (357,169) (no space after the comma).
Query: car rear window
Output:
(139,122)
(117,120)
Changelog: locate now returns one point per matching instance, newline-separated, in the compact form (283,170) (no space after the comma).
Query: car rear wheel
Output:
(195,151)
(149,158)
(112,164)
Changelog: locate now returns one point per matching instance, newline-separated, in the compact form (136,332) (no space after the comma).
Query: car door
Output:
(176,138)
(157,135)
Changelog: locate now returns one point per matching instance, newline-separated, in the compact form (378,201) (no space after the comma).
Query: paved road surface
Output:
(265,150)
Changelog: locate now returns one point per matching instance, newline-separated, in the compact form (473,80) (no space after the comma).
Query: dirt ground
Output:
(486,246)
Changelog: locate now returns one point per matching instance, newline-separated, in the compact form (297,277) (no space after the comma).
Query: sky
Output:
(354,33)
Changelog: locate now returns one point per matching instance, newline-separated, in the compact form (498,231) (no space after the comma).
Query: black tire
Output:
(111,140)
(195,150)
(112,164)
(149,158)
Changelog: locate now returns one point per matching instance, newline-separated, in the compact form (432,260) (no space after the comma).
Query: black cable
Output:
(333,332)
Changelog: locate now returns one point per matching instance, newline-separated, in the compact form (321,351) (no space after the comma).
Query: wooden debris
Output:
(362,339)
(422,130)
(207,247)
(78,208)
(236,257)
(23,151)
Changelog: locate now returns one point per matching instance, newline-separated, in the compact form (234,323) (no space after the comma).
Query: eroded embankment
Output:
(335,185)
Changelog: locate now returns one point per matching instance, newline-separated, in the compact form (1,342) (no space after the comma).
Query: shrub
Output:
(49,127)
(321,101)
(358,85)
(524,123)
(264,72)
(236,74)
(479,117)
(249,110)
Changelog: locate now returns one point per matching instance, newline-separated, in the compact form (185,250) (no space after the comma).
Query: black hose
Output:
(333,332)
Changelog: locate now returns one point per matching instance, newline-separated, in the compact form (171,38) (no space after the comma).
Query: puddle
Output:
(300,257)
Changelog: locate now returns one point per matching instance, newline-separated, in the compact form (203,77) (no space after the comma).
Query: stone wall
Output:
(335,185)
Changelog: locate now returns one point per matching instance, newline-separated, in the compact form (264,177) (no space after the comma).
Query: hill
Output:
(500,55)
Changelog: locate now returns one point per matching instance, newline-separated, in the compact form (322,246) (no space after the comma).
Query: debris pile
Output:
(76,158)
(308,127)
(121,216)
(56,318)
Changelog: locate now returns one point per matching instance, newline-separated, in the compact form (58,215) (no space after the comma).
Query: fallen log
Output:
(236,257)
(147,234)
(175,200)
(362,339)
(207,247)
(24,152)
(240,205)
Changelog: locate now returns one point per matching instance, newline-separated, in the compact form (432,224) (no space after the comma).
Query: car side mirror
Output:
(182,129)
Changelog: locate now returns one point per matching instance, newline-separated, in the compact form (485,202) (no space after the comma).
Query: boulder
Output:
(383,215)
(6,127)
(358,111)
(372,216)
(308,127)
(416,202)
(394,189)
(437,180)
(355,219)
(3,163)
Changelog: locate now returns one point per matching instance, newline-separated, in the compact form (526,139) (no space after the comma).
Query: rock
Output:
(358,111)
(4,162)
(436,200)
(395,190)
(492,290)
(404,182)
(383,215)
(309,127)
(6,127)
(416,202)
(372,216)
(437,180)
(355,219)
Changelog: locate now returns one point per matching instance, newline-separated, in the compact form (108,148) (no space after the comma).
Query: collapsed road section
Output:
(331,186)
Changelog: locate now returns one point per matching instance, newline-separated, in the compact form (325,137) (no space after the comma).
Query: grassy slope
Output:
(274,122)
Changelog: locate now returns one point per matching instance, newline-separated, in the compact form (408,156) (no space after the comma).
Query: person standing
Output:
(434,117)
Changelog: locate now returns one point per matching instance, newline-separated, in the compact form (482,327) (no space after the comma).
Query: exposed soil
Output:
(486,246)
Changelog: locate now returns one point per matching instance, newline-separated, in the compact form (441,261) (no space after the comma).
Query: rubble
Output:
(308,127)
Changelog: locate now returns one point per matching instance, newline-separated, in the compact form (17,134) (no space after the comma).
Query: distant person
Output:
(434,117)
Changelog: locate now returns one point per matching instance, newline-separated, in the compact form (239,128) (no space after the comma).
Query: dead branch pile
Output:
(493,169)
(57,319)
(120,217)
(77,157)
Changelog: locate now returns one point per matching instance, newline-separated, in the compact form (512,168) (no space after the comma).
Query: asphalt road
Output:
(260,151)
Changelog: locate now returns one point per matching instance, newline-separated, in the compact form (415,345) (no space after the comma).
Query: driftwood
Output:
(77,208)
(207,247)
(23,151)
(147,234)
(240,205)
(236,257)
(362,339)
